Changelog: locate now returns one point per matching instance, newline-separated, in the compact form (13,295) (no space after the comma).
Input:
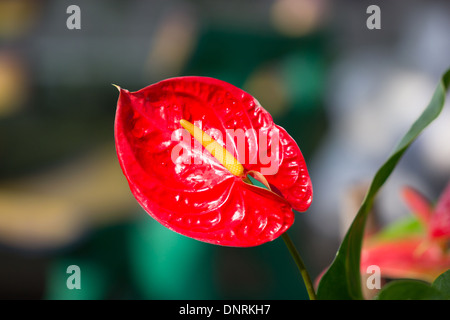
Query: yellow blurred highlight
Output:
(172,45)
(296,18)
(17,17)
(54,208)
(268,85)
(13,84)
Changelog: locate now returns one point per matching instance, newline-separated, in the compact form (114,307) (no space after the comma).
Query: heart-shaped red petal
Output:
(184,187)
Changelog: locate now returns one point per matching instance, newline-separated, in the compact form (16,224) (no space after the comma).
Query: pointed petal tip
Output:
(118,87)
(418,204)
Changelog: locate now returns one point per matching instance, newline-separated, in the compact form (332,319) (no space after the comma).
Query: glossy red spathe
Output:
(200,198)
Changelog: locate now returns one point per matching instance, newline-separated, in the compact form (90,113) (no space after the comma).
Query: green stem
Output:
(301,266)
(294,253)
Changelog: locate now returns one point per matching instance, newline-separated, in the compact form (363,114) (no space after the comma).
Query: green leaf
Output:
(442,283)
(409,290)
(343,280)
(417,290)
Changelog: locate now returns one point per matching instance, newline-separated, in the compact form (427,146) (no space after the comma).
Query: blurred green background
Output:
(344,92)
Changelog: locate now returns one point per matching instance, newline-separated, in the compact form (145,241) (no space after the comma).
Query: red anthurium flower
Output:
(420,253)
(186,146)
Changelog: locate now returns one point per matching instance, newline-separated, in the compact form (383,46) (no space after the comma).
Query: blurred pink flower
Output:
(419,252)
